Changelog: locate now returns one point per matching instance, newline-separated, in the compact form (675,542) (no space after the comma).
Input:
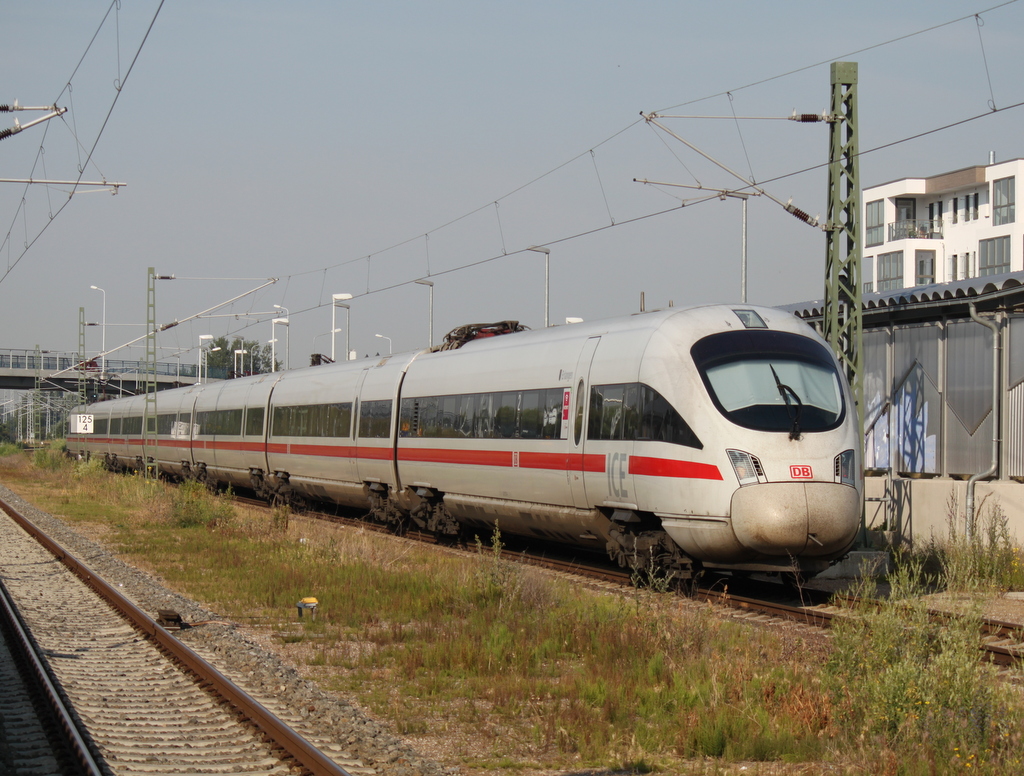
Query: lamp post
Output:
(743,247)
(388,339)
(336,302)
(202,357)
(103,332)
(287,336)
(273,341)
(237,354)
(211,350)
(547,278)
(430,327)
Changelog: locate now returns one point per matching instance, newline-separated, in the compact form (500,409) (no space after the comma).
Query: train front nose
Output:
(796,518)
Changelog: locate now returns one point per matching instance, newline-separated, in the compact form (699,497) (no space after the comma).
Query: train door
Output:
(578,424)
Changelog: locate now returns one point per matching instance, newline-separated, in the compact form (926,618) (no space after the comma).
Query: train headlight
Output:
(747,467)
(846,472)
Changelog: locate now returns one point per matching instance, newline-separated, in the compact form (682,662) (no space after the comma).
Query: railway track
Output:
(37,732)
(145,701)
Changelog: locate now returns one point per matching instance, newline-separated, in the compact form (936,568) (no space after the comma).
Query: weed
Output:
(192,505)
(986,560)
(915,687)
(10,448)
(50,459)
(549,673)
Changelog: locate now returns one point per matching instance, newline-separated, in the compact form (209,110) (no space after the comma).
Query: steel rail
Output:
(304,753)
(73,735)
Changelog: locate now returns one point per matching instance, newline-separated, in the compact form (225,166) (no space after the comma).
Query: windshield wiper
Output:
(794,412)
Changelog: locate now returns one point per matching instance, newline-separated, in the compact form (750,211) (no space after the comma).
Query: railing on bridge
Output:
(13,358)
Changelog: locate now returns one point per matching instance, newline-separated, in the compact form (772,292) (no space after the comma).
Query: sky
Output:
(345,147)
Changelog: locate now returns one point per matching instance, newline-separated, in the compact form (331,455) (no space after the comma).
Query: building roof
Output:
(1003,291)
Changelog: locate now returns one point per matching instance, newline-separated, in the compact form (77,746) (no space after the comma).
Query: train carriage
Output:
(717,436)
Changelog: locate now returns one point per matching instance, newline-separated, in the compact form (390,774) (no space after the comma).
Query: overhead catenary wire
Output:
(507,251)
(82,165)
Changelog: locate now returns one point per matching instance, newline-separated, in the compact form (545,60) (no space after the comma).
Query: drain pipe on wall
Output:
(994,466)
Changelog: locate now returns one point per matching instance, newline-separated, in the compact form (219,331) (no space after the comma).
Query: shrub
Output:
(985,561)
(10,448)
(192,505)
(915,686)
(50,459)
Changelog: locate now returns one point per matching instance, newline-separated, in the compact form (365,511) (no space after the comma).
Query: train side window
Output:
(613,411)
(407,417)
(429,425)
(254,421)
(230,422)
(631,411)
(165,423)
(531,415)
(577,433)
(375,419)
(100,426)
(115,425)
(448,414)
(466,416)
(505,415)
(552,409)
(661,423)
(339,420)
(484,416)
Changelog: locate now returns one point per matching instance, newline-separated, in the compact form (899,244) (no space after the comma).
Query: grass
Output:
(515,670)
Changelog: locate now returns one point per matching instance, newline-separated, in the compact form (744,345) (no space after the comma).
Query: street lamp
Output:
(430,328)
(202,357)
(211,350)
(743,247)
(237,354)
(388,339)
(273,341)
(287,336)
(103,332)
(547,278)
(336,302)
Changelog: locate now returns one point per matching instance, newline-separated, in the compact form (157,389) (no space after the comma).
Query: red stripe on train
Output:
(666,467)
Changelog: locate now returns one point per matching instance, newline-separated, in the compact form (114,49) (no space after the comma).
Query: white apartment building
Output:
(954,226)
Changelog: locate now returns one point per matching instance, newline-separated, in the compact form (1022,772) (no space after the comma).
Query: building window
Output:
(925,267)
(935,216)
(867,266)
(875,218)
(1003,198)
(956,209)
(890,271)
(971,207)
(994,256)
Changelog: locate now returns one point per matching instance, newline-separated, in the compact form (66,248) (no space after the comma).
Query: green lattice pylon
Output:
(842,320)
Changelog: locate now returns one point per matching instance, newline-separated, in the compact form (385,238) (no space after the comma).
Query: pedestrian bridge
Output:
(19,370)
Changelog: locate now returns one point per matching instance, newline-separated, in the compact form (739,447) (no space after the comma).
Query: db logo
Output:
(800,472)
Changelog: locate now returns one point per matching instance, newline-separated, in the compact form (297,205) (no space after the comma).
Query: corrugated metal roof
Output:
(922,296)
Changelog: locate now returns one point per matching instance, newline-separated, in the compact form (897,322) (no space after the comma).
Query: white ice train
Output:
(715,436)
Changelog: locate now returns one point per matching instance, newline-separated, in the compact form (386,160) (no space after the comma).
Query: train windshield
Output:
(771,380)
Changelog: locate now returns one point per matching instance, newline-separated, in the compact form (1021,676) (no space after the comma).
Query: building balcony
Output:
(916,229)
